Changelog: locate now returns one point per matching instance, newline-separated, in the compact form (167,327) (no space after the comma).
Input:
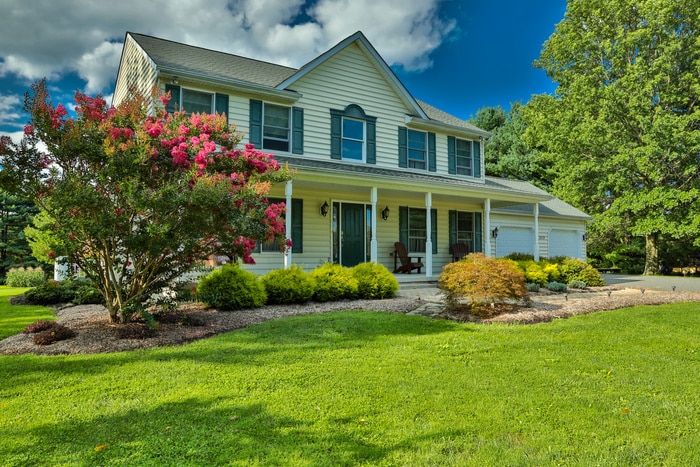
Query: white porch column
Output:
(288,224)
(536,212)
(428,239)
(373,241)
(487,226)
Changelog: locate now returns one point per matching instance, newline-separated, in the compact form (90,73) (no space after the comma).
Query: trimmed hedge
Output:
(374,281)
(231,288)
(333,282)
(291,285)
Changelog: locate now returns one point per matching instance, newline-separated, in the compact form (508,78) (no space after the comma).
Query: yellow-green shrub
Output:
(481,281)
(333,282)
(533,272)
(552,270)
(573,269)
(292,285)
(231,288)
(374,281)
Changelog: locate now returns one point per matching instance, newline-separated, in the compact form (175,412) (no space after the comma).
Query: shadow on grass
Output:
(204,432)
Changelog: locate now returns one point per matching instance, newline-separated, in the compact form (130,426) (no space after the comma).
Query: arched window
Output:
(353,135)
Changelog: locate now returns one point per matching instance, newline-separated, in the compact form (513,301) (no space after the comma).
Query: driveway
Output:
(685,284)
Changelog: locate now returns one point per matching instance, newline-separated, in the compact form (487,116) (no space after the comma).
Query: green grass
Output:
(368,388)
(15,318)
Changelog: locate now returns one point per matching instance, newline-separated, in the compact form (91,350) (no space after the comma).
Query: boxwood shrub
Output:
(231,288)
(292,285)
(333,282)
(374,281)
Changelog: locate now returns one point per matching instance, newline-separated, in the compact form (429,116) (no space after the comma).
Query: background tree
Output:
(624,125)
(505,152)
(15,214)
(136,199)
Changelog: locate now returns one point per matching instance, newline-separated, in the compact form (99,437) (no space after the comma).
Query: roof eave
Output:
(445,127)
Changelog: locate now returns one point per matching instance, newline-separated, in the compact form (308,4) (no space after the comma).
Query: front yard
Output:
(369,388)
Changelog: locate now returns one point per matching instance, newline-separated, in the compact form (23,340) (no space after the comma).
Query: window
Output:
(276,127)
(196,101)
(353,135)
(353,139)
(465,227)
(464,157)
(417,149)
(413,230)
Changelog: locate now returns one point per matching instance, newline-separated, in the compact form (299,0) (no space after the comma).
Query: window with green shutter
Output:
(464,157)
(465,227)
(417,150)
(353,135)
(276,127)
(196,101)
(413,228)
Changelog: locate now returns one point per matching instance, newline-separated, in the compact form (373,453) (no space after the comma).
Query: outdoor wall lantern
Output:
(494,233)
(585,237)
(324,209)
(385,213)
(175,80)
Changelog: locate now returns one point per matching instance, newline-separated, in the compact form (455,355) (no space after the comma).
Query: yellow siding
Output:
(136,72)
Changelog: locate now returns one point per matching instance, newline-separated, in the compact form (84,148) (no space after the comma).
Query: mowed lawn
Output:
(369,388)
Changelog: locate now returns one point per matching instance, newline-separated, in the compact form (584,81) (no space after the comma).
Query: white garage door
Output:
(514,240)
(564,243)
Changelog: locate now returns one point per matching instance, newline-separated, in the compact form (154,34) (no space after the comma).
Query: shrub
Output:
(552,270)
(231,288)
(577,284)
(57,332)
(515,256)
(557,287)
(532,287)
(41,325)
(25,277)
(50,293)
(576,269)
(482,281)
(533,272)
(374,281)
(291,285)
(333,282)
(135,331)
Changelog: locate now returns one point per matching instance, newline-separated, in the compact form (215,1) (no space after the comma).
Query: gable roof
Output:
(184,60)
(553,207)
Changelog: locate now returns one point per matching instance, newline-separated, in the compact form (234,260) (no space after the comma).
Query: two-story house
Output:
(373,164)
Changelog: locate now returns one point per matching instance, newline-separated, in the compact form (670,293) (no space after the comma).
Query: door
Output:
(514,240)
(564,243)
(352,234)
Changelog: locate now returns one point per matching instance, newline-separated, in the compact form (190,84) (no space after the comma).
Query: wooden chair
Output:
(407,265)
(459,251)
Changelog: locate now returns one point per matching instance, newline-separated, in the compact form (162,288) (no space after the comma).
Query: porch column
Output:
(373,241)
(487,226)
(536,212)
(428,238)
(288,223)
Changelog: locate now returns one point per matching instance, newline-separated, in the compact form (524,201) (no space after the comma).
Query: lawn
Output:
(369,388)
(15,318)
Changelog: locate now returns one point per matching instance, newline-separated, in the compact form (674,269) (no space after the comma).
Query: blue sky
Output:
(456,55)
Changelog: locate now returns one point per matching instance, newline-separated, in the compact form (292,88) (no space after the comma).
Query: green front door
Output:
(352,237)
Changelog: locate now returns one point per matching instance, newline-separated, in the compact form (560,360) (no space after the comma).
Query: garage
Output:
(515,240)
(564,243)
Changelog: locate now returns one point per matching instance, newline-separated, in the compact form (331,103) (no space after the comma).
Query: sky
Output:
(457,55)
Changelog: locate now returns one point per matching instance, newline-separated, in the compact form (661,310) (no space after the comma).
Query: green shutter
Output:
(174,104)
(255,130)
(336,133)
(478,236)
(476,161)
(453,228)
(432,157)
(451,156)
(403,147)
(433,229)
(222,105)
(403,225)
(371,140)
(297,225)
(297,130)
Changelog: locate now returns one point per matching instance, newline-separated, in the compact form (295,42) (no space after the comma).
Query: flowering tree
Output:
(138,198)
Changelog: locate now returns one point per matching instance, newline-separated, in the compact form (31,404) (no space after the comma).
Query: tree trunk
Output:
(651,263)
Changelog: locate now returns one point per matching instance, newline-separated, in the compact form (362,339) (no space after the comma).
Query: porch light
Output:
(175,80)
(324,209)
(585,237)
(494,233)
(385,213)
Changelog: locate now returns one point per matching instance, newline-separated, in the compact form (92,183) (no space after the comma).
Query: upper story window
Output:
(417,149)
(276,127)
(196,101)
(353,139)
(464,157)
(353,135)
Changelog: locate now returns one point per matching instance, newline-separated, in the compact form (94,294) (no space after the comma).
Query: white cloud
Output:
(10,108)
(98,66)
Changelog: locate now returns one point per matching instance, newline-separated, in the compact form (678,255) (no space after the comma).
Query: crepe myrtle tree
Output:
(139,197)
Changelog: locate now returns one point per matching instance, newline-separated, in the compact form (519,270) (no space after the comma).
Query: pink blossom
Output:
(29,130)
(165,100)
(115,133)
